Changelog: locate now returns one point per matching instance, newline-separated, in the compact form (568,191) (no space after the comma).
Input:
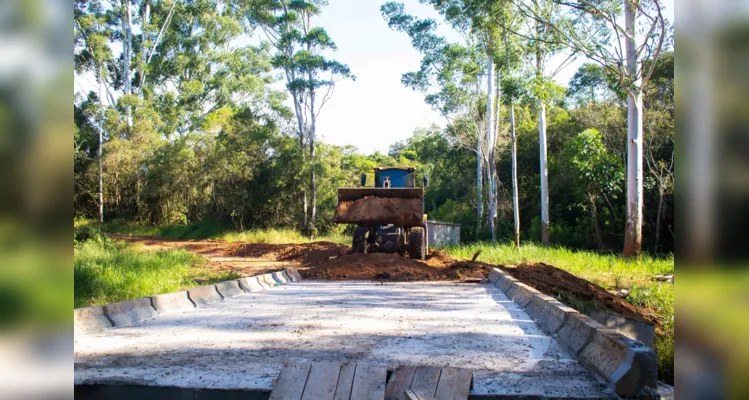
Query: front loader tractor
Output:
(390,215)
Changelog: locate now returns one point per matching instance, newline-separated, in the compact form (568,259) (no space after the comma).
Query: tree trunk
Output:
(101,143)
(633,230)
(488,151)
(493,159)
(661,190)
(515,201)
(126,52)
(594,210)
(544,172)
(313,183)
(144,24)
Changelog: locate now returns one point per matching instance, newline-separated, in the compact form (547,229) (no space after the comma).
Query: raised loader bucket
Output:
(397,206)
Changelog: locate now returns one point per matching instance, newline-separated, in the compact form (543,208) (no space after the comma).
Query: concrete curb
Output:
(96,318)
(229,289)
(249,284)
(89,319)
(629,367)
(130,311)
(204,295)
(172,302)
(293,274)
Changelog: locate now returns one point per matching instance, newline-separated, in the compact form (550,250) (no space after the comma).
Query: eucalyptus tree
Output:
(451,77)
(595,29)
(92,53)
(310,76)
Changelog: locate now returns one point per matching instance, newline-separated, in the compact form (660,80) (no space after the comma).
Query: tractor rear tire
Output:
(417,248)
(359,243)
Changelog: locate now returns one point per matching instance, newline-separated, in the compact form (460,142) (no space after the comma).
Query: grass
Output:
(107,272)
(606,270)
(211,229)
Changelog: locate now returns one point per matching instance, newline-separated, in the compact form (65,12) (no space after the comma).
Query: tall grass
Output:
(609,271)
(105,272)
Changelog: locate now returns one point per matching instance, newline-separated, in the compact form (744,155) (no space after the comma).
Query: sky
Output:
(376,110)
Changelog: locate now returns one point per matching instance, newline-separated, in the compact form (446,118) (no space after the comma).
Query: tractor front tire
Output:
(417,248)
(359,243)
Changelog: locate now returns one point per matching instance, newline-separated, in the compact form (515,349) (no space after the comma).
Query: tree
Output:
(595,30)
(310,77)
(92,53)
(599,172)
(451,80)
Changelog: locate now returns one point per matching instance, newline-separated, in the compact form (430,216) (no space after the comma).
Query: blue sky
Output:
(375,111)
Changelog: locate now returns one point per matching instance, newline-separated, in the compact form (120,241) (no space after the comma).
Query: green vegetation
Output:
(211,229)
(609,271)
(106,272)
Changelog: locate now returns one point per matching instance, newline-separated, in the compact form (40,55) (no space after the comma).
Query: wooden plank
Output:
(369,382)
(425,380)
(345,381)
(290,382)
(411,395)
(399,382)
(322,381)
(454,384)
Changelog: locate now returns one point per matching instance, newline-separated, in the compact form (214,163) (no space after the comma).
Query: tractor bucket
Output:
(396,206)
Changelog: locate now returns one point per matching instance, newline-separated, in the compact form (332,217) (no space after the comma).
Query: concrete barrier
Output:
(268,279)
(124,313)
(521,293)
(629,367)
(494,275)
(204,295)
(229,289)
(577,332)
(279,277)
(640,331)
(130,311)
(250,284)
(90,319)
(172,302)
(293,274)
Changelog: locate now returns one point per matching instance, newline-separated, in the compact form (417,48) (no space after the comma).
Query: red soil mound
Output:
(569,288)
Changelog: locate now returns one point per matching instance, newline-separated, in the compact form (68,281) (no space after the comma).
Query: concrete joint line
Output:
(219,293)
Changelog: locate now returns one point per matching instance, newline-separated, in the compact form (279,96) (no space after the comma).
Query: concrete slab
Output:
(242,342)
(129,312)
(172,302)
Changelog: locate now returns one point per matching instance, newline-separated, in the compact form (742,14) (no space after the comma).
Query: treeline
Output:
(176,121)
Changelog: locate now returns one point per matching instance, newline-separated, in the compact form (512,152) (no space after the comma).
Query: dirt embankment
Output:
(565,286)
(332,261)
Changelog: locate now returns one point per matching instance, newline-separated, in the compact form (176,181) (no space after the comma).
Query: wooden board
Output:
(290,382)
(425,380)
(345,381)
(322,381)
(455,383)
(399,382)
(369,382)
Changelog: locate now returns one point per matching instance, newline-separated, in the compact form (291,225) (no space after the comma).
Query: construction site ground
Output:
(333,262)
(242,342)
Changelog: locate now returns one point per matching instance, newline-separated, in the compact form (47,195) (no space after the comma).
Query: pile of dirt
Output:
(571,289)
(375,266)
(385,210)
(307,254)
